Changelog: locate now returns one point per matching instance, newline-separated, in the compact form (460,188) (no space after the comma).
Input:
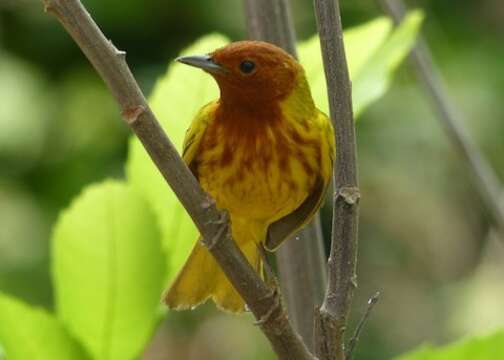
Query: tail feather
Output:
(201,278)
(193,284)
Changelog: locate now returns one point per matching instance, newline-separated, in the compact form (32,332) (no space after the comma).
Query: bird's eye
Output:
(247,66)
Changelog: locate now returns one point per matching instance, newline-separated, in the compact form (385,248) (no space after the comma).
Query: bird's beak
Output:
(204,62)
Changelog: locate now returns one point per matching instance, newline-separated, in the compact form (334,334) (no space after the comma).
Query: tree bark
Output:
(332,318)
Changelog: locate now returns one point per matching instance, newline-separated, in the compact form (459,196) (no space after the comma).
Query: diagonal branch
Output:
(213,224)
(486,181)
(332,316)
(301,260)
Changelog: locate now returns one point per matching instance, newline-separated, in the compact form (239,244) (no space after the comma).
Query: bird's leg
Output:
(269,275)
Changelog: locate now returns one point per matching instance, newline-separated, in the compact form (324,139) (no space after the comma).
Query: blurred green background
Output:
(423,237)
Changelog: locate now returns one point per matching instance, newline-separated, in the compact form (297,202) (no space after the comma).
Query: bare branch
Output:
(355,338)
(303,277)
(486,181)
(332,317)
(301,260)
(213,224)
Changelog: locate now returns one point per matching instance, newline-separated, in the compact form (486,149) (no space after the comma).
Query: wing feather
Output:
(195,133)
(288,225)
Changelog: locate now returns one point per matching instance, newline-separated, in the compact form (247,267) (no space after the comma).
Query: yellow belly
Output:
(257,193)
(258,182)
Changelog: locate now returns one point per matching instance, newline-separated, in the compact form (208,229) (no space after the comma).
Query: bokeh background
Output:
(424,233)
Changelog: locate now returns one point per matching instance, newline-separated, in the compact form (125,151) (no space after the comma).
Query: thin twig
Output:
(486,181)
(213,224)
(332,317)
(355,338)
(301,260)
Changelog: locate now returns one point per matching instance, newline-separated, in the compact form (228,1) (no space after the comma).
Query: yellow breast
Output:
(260,177)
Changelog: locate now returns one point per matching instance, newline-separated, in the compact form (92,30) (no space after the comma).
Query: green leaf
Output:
(372,54)
(108,269)
(374,79)
(361,42)
(32,333)
(477,348)
(176,99)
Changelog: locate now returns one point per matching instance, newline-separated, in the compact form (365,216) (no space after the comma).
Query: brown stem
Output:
(213,224)
(301,260)
(303,277)
(486,180)
(355,338)
(332,317)
(270,20)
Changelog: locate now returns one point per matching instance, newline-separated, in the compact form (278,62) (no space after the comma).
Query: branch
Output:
(303,277)
(213,224)
(486,180)
(355,338)
(332,317)
(301,259)
(270,20)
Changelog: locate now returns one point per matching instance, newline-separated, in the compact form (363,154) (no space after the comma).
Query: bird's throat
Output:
(248,113)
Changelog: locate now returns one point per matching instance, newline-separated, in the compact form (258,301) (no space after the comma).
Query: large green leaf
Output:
(32,333)
(108,268)
(476,348)
(176,99)
(361,42)
(372,53)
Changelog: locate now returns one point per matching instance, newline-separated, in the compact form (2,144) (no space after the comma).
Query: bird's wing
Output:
(195,133)
(289,224)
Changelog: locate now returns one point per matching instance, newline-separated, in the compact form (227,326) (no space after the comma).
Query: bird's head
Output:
(250,71)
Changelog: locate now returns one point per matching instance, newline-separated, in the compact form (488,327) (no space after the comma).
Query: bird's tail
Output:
(201,278)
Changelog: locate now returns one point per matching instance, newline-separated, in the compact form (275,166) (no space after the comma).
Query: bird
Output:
(263,152)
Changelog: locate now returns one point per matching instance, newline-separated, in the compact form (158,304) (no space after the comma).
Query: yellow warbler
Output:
(263,151)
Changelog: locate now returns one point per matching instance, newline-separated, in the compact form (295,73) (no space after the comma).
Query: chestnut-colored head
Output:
(250,71)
